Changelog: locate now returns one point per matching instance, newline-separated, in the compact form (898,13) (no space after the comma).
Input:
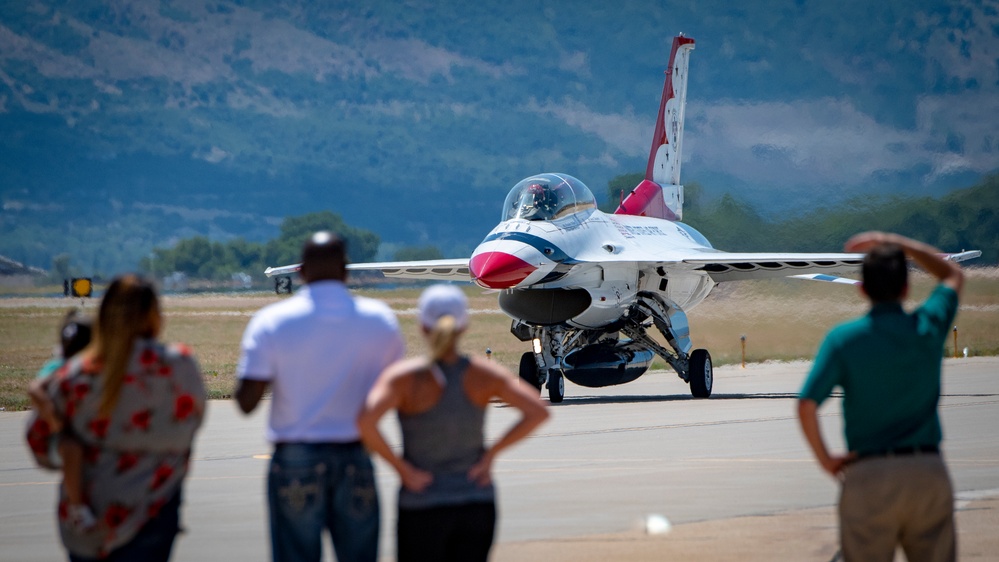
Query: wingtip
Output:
(283,270)
(963,255)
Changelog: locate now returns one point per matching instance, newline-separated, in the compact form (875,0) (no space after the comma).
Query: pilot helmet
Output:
(543,197)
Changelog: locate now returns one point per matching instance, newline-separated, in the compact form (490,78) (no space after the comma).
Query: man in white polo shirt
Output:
(320,352)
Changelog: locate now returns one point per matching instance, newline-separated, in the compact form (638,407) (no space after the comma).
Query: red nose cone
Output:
(498,270)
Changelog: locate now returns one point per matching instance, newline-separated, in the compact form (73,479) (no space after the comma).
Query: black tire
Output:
(701,373)
(556,386)
(529,371)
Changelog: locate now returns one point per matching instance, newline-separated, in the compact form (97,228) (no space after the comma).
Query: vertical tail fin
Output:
(660,193)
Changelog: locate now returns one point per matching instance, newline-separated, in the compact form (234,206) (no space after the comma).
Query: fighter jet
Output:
(588,289)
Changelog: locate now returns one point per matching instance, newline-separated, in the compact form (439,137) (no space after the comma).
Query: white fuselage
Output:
(605,255)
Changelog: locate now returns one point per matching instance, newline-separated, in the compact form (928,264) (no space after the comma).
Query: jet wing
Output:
(721,266)
(431,270)
(724,266)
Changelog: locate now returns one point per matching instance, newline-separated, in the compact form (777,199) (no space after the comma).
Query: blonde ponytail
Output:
(443,337)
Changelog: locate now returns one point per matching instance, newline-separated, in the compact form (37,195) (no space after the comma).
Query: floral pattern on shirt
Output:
(136,459)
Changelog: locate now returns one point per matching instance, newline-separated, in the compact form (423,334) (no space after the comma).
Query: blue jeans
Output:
(152,543)
(312,486)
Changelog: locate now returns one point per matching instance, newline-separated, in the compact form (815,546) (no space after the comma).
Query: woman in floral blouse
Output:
(134,405)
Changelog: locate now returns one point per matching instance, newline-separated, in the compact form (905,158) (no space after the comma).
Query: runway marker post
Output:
(743,338)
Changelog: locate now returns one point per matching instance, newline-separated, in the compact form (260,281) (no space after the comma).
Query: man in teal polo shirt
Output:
(895,486)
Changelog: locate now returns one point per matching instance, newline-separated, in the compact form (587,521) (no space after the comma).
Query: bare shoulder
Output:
(404,368)
(394,385)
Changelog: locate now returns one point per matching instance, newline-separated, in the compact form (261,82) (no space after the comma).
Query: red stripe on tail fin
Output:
(660,193)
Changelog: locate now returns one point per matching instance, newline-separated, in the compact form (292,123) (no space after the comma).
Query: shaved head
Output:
(324,258)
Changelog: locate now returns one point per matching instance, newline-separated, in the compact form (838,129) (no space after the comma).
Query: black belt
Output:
(902,452)
(319,444)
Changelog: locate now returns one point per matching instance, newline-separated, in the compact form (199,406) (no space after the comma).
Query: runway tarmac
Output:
(731,473)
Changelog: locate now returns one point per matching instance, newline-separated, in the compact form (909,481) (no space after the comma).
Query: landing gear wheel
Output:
(701,376)
(529,370)
(556,386)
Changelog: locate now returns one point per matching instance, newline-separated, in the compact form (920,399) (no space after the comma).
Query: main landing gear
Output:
(694,367)
(699,373)
(556,342)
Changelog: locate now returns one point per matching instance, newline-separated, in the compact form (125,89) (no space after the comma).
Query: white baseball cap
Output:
(443,300)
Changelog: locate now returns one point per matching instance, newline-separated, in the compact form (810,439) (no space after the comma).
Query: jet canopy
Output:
(547,197)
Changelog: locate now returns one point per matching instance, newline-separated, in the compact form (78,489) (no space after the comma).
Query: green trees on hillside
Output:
(361,244)
(729,223)
(966,219)
(414,253)
(204,259)
(618,188)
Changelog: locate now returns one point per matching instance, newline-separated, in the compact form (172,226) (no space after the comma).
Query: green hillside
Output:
(966,219)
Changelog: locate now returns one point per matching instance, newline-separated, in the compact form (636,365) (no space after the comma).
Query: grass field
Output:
(781,319)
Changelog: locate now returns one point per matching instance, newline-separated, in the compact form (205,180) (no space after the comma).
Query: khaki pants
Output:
(902,501)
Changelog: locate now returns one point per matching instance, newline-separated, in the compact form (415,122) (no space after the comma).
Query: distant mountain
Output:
(130,124)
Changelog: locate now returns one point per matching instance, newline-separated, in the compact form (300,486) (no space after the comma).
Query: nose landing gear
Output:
(529,371)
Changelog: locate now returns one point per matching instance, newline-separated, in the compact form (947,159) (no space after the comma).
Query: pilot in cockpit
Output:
(548,197)
(538,202)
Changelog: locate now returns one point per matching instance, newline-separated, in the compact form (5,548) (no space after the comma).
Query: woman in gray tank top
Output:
(447,508)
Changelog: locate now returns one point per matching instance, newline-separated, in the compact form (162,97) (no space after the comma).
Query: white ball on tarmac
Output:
(656,524)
